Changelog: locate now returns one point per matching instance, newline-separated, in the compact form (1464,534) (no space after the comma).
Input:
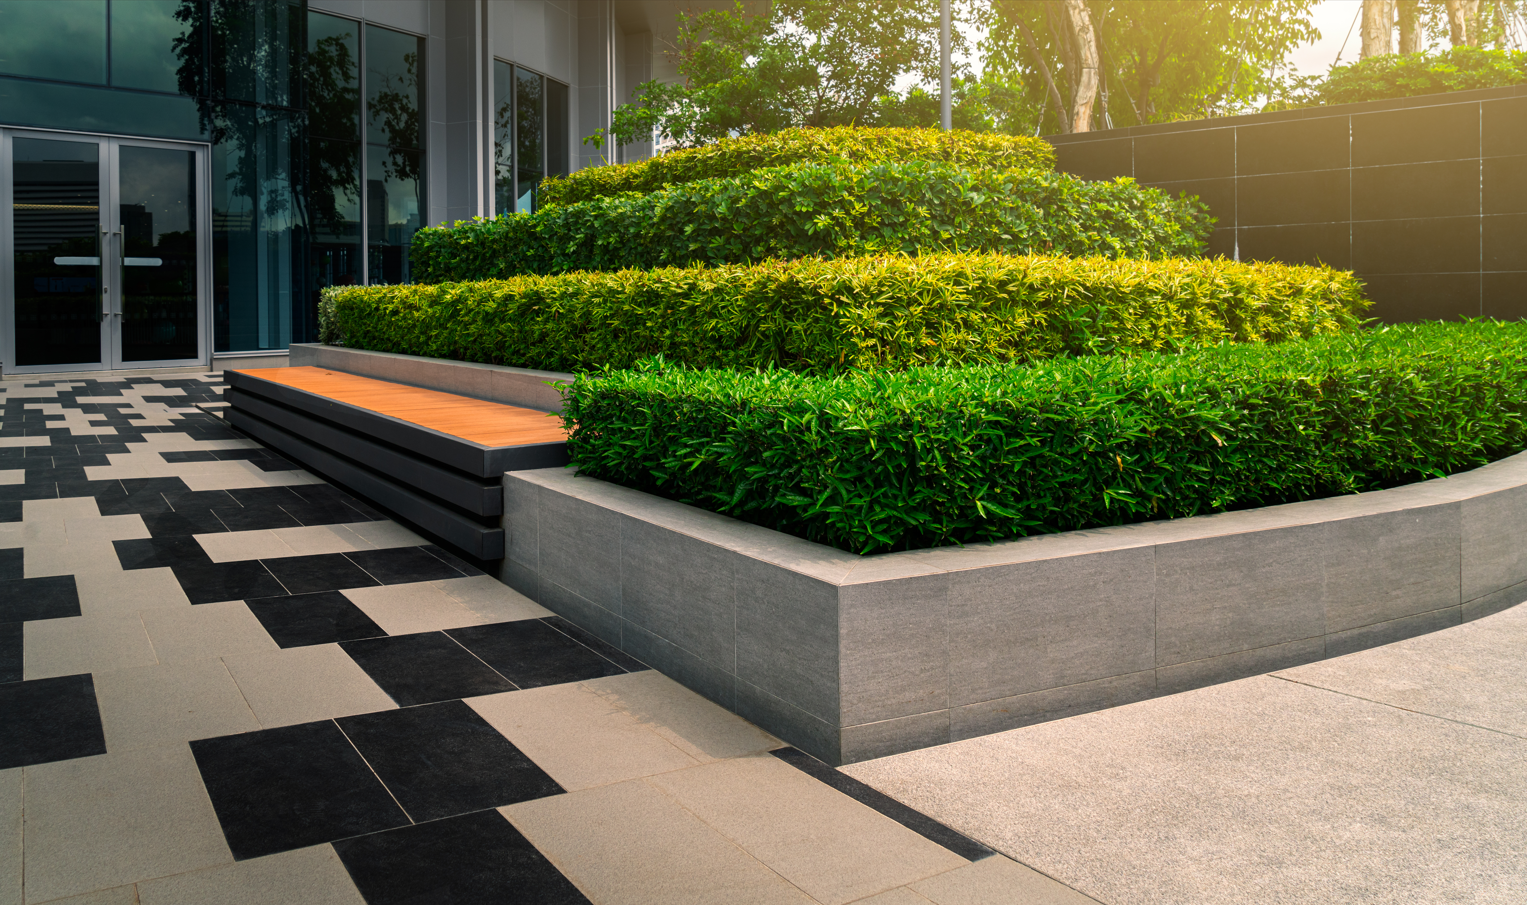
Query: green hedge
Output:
(736,156)
(1412,74)
(825,210)
(822,316)
(881,461)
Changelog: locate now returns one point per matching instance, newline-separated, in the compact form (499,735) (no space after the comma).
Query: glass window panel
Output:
(558,145)
(157,210)
(529,135)
(334,212)
(392,211)
(57,198)
(333,77)
(257,231)
(47,39)
(503,137)
(87,109)
(252,47)
(392,88)
(151,42)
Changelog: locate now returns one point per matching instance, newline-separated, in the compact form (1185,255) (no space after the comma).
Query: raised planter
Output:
(495,383)
(853,657)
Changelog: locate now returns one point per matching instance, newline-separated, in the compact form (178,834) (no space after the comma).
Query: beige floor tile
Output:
(117,895)
(228,481)
(97,822)
(998,881)
(44,529)
(90,556)
(288,478)
(901,895)
(170,704)
(306,876)
(80,644)
(301,684)
(24,441)
(105,527)
(630,844)
(205,631)
(113,472)
(10,836)
(13,476)
(79,506)
(13,534)
(829,845)
(579,737)
(382,534)
(492,599)
(402,609)
(699,728)
(115,593)
(231,546)
(314,539)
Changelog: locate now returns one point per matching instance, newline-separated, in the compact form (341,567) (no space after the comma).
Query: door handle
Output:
(106,270)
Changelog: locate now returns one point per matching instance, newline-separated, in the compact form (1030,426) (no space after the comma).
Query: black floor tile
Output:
(320,572)
(26,599)
(453,560)
(424,668)
(10,510)
(322,618)
(212,582)
(198,499)
(141,502)
(274,463)
(184,522)
(328,512)
(11,565)
(49,719)
(531,653)
(264,496)
(158,552)
(403,564)
(443,759)
(608,651)
(474,859)
(81,461)
(279,789)
(45,491)
(159,485)
(188,455)
(255,518)
(10,652)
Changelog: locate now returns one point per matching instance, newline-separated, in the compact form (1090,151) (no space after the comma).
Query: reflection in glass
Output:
(557,129)
(253,46)
(529,126)
(56,204)
(257,231)
(334,212)
(157,210)
(333,77)
(392,211)
(47,39)
(503,137)
(392,88)
(88,108)
(144,38)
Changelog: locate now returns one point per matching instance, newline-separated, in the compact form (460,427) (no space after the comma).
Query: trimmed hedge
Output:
(828,210)
(736,156)
(883,461)
(854,313)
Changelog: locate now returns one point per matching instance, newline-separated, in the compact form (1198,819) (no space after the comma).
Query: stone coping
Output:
(496,383)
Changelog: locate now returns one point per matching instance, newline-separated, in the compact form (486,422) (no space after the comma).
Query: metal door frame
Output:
(111,251)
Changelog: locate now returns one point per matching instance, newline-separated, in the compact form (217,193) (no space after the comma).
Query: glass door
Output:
(102,253)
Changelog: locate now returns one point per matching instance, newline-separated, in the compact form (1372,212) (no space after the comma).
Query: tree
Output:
(1068,25)
(1378,28)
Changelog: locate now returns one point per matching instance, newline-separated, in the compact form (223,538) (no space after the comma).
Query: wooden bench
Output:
(436,459)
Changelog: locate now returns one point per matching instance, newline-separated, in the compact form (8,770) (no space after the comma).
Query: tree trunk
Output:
(1086,51)
(1463,22)
(1411,38)
(1378,23)
(1044,69)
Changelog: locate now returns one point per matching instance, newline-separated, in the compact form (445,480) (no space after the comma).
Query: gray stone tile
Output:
(1383,567)
(1240,592)
(1389,632)
(1050,623)
(520,577)
(893,648)
(1490,604)
(1013,712)
(790,724)
(170,704)
(139,814)
(679,589)
(787,636)
(1229,667)
(601,622)
(522,520)
(304,876)
(1494,557)
(708,679)
(908,733)
(580,549)
(117,895)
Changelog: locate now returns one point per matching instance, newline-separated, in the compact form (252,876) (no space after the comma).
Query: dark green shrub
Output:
(821,316)
(736,156)
(882,461)
(827,210)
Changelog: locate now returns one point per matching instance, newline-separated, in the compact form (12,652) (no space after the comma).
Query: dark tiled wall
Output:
(1425,198)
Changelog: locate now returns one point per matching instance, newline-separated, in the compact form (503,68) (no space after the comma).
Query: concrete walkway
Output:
(1398,774)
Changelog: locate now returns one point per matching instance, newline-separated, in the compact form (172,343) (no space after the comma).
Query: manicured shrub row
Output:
(822,316)
(828,210)
(883,461)
(736,156)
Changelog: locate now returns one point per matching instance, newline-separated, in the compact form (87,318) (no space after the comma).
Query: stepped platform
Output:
(434,458)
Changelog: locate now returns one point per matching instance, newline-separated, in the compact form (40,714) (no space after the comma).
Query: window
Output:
(530,135)
(393,151)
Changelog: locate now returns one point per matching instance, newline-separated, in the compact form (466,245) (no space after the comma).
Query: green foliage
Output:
(738,156)
(887,312)
(872,461)
(1407,75)
(825,210)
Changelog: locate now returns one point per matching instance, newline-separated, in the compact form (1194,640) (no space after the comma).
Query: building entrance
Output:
(103,252)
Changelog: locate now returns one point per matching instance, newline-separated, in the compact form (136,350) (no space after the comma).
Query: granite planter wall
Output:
(495,383)
(853,657)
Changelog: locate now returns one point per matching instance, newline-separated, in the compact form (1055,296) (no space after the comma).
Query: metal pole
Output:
(946,109)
